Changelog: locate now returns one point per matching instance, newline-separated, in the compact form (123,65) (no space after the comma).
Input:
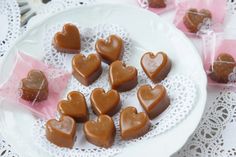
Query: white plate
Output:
(148,31)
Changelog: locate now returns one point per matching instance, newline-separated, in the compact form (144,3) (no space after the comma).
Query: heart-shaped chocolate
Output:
(62,132)
(74,107)
(111,49)
(122,78)
(156,66)
(101,132)
(133,124)
(34,87)
(86,69)
(153,100)
(67,41)
(105,103)
(222,67)
(156,3)
(193,19)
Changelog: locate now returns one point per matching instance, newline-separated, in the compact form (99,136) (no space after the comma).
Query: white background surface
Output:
(227,131)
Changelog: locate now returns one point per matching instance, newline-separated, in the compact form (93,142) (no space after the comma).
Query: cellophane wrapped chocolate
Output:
(157,6)
(35,86)
(195,17)
(219,56)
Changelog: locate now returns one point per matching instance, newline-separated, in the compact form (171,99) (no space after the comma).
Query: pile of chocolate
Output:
(122,78)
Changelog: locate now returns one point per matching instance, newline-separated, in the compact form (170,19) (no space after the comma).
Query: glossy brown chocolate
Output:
(67,41)
(194,18)
(156,3)
(105,103)
(101,132)
(222,67)
(86,69)
(122,78)
(153,100)
(156,66)
(62,132)
(75,106)
(133,124)
(111,49)
(34,87)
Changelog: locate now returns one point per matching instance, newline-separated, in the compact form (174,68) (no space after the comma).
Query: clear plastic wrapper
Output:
(157,6)
(197,16)
(219,55)
(34,85)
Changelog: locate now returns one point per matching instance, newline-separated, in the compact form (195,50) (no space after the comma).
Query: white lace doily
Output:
(6,150)
(10,21)
(182,95)
(231,7)
(59,5)
(214,136)
(10,30)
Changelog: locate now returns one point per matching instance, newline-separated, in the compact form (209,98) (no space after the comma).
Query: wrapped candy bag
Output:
(157,6)
(35,86)
(219,56)
(200,16)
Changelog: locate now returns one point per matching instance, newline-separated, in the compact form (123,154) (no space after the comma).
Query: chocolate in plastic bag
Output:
(200,16)
(219,56)
(35,86)
(157,6)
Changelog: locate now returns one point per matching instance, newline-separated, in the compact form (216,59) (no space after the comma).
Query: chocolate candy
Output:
(133,124)
(67,41)
(86,69)
(156,3)
(153,100)
(62,132)
(194,18)
(222,67)
(156,66)
(34,87)
(122,78)
(74,107)
(101,132)
(110,50)
(105,103)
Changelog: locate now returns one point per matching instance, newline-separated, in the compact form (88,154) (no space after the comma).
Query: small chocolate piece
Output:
(74,107)
(67,41)
(62,132)
(133,124)
(86,69)
(34,87)
(156,3)
(101,133)
(156,66)
(105,103)
(110,50)
(122,78)
(222,67)
(193,19)
(153,100)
